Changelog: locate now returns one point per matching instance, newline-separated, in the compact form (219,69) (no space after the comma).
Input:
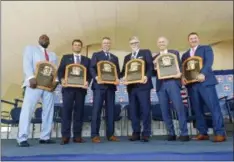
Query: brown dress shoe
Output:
(219,138)
(134,138)
(113,138)
(145,139)
(96,139)
(201,137)
(78,140)
(64,141)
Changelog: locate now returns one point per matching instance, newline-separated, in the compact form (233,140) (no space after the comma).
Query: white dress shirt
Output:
(192,51)
(164,51)
(136,53)
(75,57)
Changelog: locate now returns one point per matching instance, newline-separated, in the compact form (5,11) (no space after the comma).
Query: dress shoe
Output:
(201,137)
(219,138)
(96,139)
(49,141)
(64,141)
(171,138)
(184,138)
(23,144)
(134,138)
(113,138)
(78,140)
(145,139)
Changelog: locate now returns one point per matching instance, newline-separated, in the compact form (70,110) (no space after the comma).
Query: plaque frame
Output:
(54,74)
(185,62)
(66,76)
(176,64)
(100,81)
(142,69)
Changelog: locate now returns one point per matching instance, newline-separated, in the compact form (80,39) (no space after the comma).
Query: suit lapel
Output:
(196,52)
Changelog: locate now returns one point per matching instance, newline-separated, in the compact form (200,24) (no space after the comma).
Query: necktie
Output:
(134,55)
(77,59)
(46,55)
(108,56)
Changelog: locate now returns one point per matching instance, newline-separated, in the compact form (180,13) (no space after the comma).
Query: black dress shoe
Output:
(135,138)
(49,141)
(145,139)
(184,138)
(171,138)
(23,144)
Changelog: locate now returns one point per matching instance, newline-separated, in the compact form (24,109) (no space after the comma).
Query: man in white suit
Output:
(32,55)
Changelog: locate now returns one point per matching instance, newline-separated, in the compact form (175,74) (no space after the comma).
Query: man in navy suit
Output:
(139,93)
(103,92)
(73,98)
(204,91)
(168,90)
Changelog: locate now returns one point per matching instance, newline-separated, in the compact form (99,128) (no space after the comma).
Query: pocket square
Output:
(140,57)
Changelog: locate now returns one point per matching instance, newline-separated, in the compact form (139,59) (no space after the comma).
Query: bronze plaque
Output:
(167,66)
(75,76)
(191,68)
(46,73)
(107,73)
(135,71)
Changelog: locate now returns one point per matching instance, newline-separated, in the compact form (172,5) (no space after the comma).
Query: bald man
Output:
(139,93)
(33,55)
(168,90)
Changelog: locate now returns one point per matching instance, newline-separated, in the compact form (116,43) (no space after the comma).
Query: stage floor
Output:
(156,149)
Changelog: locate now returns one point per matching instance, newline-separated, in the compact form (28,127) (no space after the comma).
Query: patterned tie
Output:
(46,55)
(77,59)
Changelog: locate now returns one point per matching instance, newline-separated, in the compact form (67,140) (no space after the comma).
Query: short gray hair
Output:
(134,38)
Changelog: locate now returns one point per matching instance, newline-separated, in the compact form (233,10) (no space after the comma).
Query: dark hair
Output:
(77,40)
(108,38)
(192,33)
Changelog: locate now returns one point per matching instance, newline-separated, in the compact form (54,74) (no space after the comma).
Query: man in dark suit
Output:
(168,90)
(204,91)
(103,92)
(139,93)
(73,98)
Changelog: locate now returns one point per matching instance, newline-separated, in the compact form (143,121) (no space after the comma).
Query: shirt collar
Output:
(164,51)
(42,48)
(135,51)
(76,54)
(194,48)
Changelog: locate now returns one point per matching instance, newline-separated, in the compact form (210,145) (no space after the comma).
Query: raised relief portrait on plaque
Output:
(135,71)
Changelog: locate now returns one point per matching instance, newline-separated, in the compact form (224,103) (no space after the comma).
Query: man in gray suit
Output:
(33,55)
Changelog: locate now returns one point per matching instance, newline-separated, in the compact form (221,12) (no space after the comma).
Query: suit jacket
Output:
(32,55)
(145,55)
(159,82)
(206,53)
(101,56)
(69,59)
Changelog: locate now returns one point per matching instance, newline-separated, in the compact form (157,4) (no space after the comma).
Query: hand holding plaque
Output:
(135,72)
(107,73)
(167,66)
(191,69)
(45,75)
(75,76)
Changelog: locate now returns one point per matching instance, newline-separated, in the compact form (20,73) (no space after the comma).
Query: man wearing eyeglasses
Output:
(139,93)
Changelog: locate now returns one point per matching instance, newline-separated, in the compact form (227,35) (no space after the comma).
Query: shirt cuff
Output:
(30,77)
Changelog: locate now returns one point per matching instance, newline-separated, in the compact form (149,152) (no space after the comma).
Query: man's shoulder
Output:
(173,51)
